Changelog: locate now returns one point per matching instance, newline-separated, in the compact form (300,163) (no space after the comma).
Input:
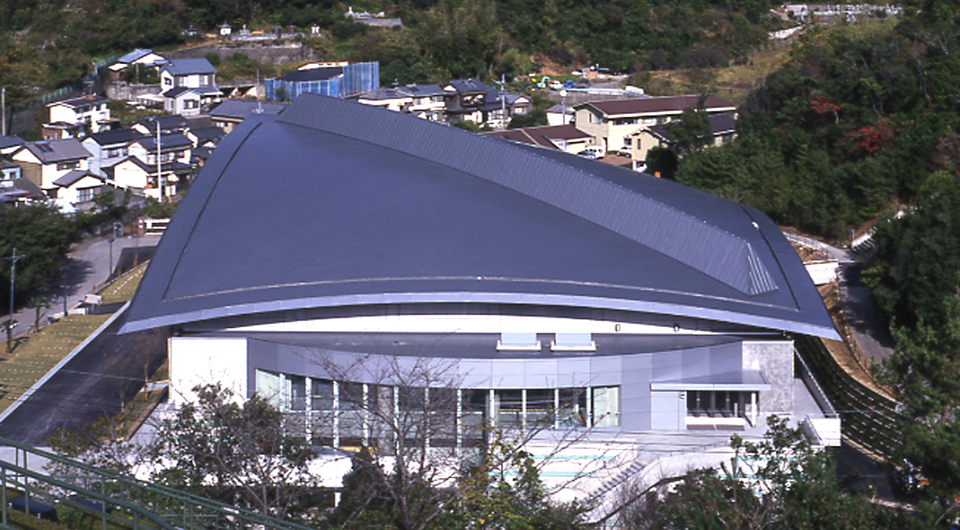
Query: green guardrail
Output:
(118,500)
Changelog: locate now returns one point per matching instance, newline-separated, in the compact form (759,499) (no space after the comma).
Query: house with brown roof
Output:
(611,121)
(723,129)
(561,137)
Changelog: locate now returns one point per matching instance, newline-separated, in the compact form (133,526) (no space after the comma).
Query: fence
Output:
(57,94)
(869,418)
(115,499)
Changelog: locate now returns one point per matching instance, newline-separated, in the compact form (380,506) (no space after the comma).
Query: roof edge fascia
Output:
(590,302)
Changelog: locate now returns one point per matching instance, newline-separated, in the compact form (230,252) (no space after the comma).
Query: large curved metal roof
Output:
(334,203)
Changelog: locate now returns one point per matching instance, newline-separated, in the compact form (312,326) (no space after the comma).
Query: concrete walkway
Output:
(867,329)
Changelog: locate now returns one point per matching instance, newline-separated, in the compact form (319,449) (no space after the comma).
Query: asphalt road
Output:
(94,384)
(88,266)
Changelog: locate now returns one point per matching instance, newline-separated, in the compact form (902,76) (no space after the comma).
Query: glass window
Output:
(717,404)
(321,395)
(540,403)
(509,406)
(573,407)
(298,392)
(268,387)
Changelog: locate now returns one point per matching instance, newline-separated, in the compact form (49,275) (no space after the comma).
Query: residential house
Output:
(138,58)
(334,81)
(18,191)
(499,108)
(611,121)
(79,187)
(59,130)
(394,99)
(471,100)
(196,74)
(9,170)
(429,101)
(139,170)
(465,97)
(77,117)
(206,136)
(723,128)
(9,144)
(560,114)
(565,138)
(108,148)
(231,112)
(423,101)
(183,101)
(205,141)
(44,162)
(167,125)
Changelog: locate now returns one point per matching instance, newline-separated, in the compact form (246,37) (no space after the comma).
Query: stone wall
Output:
(123,91)
(775,361)
(283,52)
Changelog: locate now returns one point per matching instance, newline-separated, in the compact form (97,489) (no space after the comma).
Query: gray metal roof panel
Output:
(10,141)
(680,235)
(390,218)
(241,108)
(189,67)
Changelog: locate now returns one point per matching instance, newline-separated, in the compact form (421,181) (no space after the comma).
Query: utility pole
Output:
(10,322)
(159,167)
(3,111)
(503,102)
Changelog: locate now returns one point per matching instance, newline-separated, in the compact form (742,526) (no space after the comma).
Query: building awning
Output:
(745,381)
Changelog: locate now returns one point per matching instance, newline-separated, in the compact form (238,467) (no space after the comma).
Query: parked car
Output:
(592,152)
(626,151)
(556,85)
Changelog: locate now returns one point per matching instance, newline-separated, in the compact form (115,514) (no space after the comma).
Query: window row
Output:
(337,409)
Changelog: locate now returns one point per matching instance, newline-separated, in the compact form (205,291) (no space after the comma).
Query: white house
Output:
(139,170)
(611,121)
(79,187)
(197,74)
(140,58)
(89,112)
(108,148)
(46,161)
(183,101)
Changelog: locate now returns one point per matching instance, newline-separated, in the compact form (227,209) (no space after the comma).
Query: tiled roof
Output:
(57,150)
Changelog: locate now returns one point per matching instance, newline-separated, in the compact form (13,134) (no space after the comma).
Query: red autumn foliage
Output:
(870,139)
(820,105)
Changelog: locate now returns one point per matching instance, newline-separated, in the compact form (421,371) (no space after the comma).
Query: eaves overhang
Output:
(690,311)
